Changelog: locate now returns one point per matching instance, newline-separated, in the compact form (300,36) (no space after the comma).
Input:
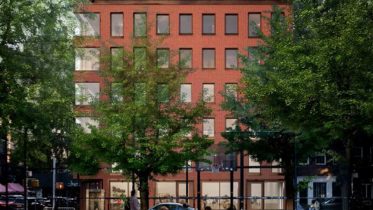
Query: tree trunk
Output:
(144,191)
(289,184)
(346,177)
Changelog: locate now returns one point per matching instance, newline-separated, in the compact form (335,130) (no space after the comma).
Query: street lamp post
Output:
(54,182)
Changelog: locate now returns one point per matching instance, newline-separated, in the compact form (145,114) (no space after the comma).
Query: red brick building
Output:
(210,34)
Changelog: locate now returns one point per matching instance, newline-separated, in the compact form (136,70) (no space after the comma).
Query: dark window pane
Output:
(231,59)
(117,24)
(254,24)
(185,58)
(163,58)
(231,24)
(185,24)
(208,58)
(319,190)
(163,24)
(208,24)
(139,24)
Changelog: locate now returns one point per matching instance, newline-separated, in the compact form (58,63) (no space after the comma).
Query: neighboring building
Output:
(318,172)
(211,33)
(324,184)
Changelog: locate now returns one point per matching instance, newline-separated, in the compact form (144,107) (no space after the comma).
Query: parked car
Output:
(11,205)
(172,206)
(331,204)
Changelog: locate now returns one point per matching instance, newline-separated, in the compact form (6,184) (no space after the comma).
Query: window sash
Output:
(231,24)
(254,24)
(163,24)
(208,92)
(208,57)
(185,24)
(116,24)
(88,24)
(139,24)
(208,24)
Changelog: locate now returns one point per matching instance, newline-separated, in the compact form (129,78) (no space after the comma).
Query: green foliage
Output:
(144,124)
(36,89)
(314,78)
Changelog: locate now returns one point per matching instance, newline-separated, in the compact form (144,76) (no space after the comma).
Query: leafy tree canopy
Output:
(145,127)
(36,89)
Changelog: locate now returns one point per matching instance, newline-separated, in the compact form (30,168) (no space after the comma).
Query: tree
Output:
(36,89)
(315,77)
(146,128)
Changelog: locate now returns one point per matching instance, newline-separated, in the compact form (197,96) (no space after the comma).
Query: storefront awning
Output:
(12,188)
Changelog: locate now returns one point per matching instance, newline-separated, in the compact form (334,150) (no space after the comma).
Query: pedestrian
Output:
(134,203)
(315,205)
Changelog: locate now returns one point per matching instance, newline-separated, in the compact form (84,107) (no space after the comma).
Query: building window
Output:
(319,190)
(231,24)
(87,59)
(278,168)
(163,24)
(162,92)
(139,24)
(86,93)
(208,57)
(209,127)
(208,24)
(186,93)
(253,162)
(163,58)
(220,191)
(185,58)
(273,189)
(86,123)
(230,124)
(256,191)
(320,159)
(254,24)
(231,58)
(116,24)
(139,58)
(253,54)
(116,92)
(185,24)
(88,24)
(116,58)
(231,90)
(304,162)
(208,92)
(169,190)
(118,189)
